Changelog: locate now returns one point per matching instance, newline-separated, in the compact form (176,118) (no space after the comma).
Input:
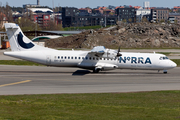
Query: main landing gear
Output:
(165,71)
(96,70)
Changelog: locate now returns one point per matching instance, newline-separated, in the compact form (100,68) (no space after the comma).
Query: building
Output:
(72,17)
(159,14)
(3,19)
(146,4)
(127,14)
(42,20)
(176,9)
(140,13)
(174,18)
(85,10)
(40,10)
(31,5)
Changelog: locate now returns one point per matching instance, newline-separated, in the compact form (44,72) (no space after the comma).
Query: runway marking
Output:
(15,83)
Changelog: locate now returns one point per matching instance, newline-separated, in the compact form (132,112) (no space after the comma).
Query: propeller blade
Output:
(118,53)
(119,49)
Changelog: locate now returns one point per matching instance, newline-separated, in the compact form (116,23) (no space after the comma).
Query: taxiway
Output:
(17,80)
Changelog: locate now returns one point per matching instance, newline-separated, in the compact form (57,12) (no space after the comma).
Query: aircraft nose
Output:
(173,64)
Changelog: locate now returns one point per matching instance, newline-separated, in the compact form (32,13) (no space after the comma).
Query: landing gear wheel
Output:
(95,71)
(165,71)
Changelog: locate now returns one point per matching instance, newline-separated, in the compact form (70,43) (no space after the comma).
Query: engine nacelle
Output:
(109,53)
(106,67)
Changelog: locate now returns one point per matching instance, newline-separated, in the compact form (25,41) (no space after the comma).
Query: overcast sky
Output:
(93,3)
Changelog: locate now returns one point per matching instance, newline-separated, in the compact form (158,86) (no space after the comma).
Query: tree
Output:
(8,13)
(26,24)
(162,20)
(175,22)
(144,19)
(130,20)
(52,26)
(124,20)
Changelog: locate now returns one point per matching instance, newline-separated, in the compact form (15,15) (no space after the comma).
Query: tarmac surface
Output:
(18,80)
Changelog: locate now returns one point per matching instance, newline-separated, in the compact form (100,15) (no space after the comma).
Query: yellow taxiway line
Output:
(15,83)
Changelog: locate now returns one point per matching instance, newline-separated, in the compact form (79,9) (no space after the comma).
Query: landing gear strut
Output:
(96,70)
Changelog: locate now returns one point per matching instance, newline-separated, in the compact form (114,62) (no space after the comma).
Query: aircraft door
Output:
(48,60)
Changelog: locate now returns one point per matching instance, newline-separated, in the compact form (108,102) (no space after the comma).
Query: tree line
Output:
(26,22)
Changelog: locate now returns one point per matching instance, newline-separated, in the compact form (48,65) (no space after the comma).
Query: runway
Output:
(17,80)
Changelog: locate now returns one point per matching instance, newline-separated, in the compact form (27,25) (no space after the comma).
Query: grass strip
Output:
(177,61)
(160,105)
(18,62)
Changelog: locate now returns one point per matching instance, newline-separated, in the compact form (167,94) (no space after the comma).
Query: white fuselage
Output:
(82,59)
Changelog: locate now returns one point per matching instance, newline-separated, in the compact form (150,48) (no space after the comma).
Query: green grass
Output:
(165,53)
(18,62)
(163,105)
(168,53)
(177,61)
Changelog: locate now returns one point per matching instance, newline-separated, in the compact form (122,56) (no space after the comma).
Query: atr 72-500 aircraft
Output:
(98,59)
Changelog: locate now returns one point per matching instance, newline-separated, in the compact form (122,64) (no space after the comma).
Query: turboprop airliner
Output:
(97,59)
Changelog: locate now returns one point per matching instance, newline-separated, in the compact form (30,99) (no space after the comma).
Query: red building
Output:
(42,20)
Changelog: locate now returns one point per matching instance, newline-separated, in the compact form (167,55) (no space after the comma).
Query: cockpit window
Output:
(164,58)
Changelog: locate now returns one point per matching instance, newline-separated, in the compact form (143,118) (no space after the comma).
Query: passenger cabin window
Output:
(58,57)
(62,57)
(86,58)
(71,57)
(79,57)
(75,57)
(68,57)
(89,58)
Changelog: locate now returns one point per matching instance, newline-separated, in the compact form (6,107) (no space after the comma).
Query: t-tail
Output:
(18,41)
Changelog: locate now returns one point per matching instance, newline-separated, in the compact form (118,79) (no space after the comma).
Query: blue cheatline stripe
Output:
(22,43)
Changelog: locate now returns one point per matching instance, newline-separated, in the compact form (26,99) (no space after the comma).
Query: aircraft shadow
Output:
(81,72)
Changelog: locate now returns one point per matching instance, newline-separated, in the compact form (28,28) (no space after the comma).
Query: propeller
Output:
(118,53)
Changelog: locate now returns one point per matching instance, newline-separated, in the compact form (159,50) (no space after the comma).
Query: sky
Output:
(92,3)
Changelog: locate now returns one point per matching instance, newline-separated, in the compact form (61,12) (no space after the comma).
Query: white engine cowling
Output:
(105,67)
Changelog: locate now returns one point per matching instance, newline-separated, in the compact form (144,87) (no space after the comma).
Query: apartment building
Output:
(127,14)
(73,17)
(159,14)
(174,18)
(140,13)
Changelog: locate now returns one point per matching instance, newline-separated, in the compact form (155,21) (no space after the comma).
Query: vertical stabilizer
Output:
(18,41)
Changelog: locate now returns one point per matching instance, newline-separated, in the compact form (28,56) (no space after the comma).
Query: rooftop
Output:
(40,9)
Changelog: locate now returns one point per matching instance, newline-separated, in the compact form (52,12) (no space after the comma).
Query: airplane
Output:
(97,59)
